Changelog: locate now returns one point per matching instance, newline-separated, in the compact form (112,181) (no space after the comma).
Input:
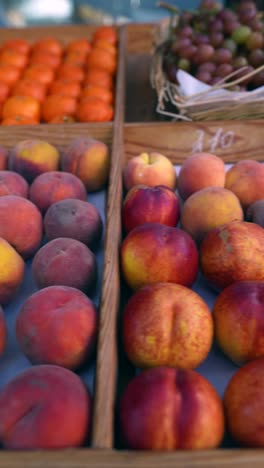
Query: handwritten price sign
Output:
(220,140)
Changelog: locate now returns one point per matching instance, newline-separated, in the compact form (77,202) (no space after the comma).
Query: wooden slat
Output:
(140,38)
(106,368)
(232,140)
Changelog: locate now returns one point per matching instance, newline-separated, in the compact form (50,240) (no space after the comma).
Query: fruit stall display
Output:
(58,268)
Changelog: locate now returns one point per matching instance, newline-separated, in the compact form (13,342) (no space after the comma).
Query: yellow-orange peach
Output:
(233,252)
(244,404)
(200,170)
(65,261)
(12,183)
(44,407)
(167,324)
(153,253)
(246,180)
(31,158)
(57,325)
(149,169)
(209,208)
(20,224)
(170,409)
(89,160)
(12,269)
(239,320)
(54,186)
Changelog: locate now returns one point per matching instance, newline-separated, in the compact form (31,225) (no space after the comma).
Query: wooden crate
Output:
(232,141)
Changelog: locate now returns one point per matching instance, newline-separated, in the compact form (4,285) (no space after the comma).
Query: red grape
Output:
(224,69)
(207,66)
(203,76)
(255,40)
(204,53)
(256,58)
(222,55)
(258,79)
(216,38)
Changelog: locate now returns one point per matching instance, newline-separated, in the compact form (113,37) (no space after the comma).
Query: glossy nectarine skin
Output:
(170,409)
(166,324)
(12,183)
(246,180)
(153,253)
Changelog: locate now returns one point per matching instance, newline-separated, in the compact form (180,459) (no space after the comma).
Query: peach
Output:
(74,218)
(12,183)
(149,169)
(166,324)
(44,407)
(65,261)
(145,204)
(244,404)
(169,409)
(54,186)
(57,325)
(233,252)
(246,180)
(3,332)
(20,224)
(31,158)
(89,160)
(239,320)
(12,268)
(200,170)
(4,154)
(207,209)
(153,253)
(255,212)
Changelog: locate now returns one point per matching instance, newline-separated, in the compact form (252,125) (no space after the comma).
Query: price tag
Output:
(220,140)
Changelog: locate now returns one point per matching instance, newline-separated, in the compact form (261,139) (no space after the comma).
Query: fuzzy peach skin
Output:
(53,186)
(167,324)
(200,170)
(89,160)
(144,204)
(20,224)
(171,409)
(74,218)
(153,253)
(246,180)
(239,320)
(244,404)
(3,331)
(149,169)
(4,154)
(57,325)
(12,268)
(233,252)
(44,407)
(65,261)
(12,183)
(31,158)
(207,209)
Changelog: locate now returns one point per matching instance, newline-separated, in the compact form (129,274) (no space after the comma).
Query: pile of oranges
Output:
(54,83)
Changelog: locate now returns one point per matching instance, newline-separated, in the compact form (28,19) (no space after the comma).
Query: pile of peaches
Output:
(211,228)
(47,223)
(47,81)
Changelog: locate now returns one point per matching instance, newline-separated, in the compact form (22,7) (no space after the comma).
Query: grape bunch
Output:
(212,42)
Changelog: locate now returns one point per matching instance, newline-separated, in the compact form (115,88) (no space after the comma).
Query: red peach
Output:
(233,252)
(167,324)
(169,409)
(54,186)
(244,404)
(74,218)
(246,180)
(153,253)
(149,169)
(12,183)
(57,325)
(20,224)
(239,320)
(65,261)
(31,158)
(200,170)
(145,204)
(209,208)
(89,160)
(44,407)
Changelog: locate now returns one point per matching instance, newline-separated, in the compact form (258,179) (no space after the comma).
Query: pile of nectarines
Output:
(198,223)
(49,237)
